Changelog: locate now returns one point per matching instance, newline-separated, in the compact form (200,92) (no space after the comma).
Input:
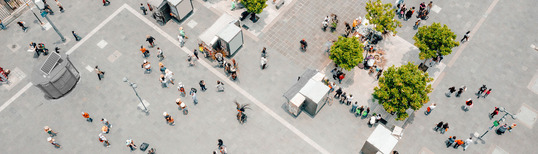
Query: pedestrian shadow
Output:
(464,108)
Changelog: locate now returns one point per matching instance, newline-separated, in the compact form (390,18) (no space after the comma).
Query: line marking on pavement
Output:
(456,56)
(14,97)
(89,68)
(87,37)
(231,83)
(438,80)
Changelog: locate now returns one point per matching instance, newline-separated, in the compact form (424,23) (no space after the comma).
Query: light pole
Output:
(133,85)
(32,9)
(497,122)
(41,6)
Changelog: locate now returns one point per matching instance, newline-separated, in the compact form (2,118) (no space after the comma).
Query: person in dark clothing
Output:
(303,45)
(150,39)
(77,38)
(338,93)
(410,13)
(445,128)
(439,125)
(451,141)
(21,23)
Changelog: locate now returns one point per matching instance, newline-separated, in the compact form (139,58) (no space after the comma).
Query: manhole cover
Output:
(13,46)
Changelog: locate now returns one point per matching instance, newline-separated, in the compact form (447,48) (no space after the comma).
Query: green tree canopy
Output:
(402,88)
(435,39)
(382,15)
(347,52)
(254,6)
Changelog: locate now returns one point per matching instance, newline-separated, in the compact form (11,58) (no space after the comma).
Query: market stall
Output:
(180,9)
(309,94)
(224,37)
(381,141)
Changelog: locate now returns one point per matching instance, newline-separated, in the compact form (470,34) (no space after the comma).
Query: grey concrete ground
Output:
(498,55)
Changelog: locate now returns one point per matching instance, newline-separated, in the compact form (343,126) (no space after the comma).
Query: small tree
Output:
(402,88)
(347,52)
(254,6)
(433,40)
(382,15)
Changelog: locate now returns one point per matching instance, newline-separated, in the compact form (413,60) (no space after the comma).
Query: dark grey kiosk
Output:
(56,76)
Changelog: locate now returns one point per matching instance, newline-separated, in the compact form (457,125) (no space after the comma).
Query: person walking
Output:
(87,116)
(511,127)
(481,90)
(303,45)
(77,37)
(193,95)
(403,9)
(451,141)
(164,81)
(169,75)
(438,126)
(150,39)
(105,122)
(467,142)
(195,52)
(458,143)
(233,5)
(168,118)
(130,144)
(147,66)
(379,73)
(430,108)
(143,9)
(465,37)
(494,113)
(409,13)
(53,142)
(145,52)
(160,54)
(445,128)
(263,61)
(221,147)
(202,85)
(103,139)
(50,131)
(106,2)
(2,26)
(487,93)
(191,60)
(220,86)
(429,6)
(468,104)
(105,129)
(461,90)
(21,23)
(182,33)
(100,74)
(162,68)
(60,6)
(181,88)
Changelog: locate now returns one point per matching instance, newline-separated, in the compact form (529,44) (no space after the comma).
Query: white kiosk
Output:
(309,94)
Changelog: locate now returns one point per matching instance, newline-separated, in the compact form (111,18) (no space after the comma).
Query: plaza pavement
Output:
(334,129)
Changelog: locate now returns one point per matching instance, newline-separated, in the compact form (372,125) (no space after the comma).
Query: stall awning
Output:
(314,90)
